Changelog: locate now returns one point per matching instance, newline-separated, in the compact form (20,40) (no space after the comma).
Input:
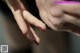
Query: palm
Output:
(56,14)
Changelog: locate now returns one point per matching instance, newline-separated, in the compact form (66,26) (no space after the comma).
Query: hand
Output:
(24,20)
(72,15)
(57,15)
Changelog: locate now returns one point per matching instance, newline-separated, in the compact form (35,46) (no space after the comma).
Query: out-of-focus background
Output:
(51,41)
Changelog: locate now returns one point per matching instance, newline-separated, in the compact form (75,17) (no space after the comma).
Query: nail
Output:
(41,28)
(37,43)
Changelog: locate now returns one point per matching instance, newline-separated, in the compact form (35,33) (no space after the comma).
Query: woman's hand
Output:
(58,14)
(24,20)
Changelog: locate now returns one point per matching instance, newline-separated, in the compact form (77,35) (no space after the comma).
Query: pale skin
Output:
(24,20)
(52,14)
(55,15)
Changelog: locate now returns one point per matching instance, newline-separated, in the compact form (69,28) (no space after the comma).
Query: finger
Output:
(72,28)
(58,22)
(32,36)
(71,19)
(20,21)
(33,20)
(45,18)
(70,7)
(17,15)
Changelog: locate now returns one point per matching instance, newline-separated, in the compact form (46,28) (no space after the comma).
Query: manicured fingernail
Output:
(67,2)
(41,28)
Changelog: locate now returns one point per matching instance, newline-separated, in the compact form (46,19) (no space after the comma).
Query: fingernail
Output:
(41,28)
(36,42)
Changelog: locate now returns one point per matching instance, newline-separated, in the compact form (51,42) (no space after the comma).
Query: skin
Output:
(25,19)
(60,14)
(57,16)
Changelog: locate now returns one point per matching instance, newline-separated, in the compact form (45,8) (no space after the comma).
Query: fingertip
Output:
(24,31)
(41,26)
(37,42)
